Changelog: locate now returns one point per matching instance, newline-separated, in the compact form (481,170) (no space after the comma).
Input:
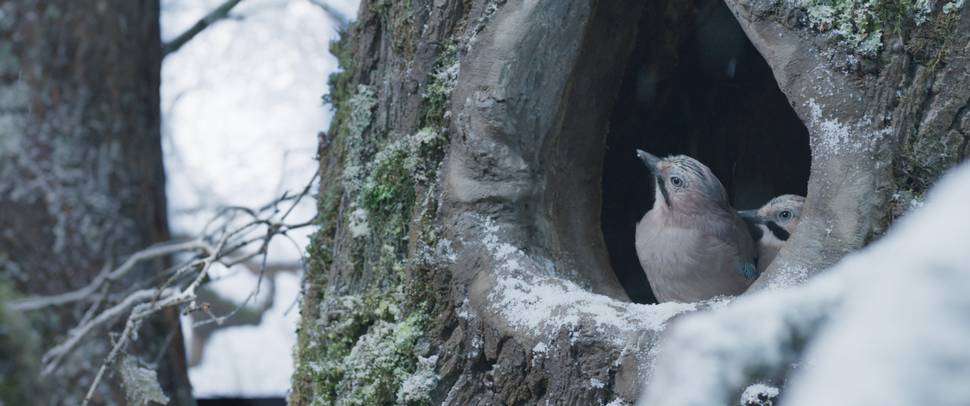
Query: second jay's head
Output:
(683,184)
(779,218)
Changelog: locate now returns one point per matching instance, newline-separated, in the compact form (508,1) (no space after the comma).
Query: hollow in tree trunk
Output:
(465,255)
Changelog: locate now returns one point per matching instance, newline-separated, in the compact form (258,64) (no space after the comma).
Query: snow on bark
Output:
(888,325)
(759,394)
(545,303)
(834,136)
(538,305)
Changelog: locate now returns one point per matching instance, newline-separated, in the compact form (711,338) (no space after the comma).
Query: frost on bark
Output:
(460,258)
(81,177)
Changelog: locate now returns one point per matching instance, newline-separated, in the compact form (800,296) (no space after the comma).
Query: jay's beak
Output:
(649,160)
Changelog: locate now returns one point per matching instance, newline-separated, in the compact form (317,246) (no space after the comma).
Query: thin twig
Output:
(54,356)
(215,15)
(130,328)
(162,250)
(342,20)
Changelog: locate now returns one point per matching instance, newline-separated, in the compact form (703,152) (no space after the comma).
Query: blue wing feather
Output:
(747,270)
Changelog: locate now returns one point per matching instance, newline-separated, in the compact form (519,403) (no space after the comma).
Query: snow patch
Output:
(953,6)
(540,348)
(788,276)
(545,303)
(759,394)
(416,389)
(358,223)
(465,311)
(833,136)
(548,304)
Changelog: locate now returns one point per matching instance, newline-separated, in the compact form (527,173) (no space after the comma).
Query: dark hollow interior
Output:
(695,85)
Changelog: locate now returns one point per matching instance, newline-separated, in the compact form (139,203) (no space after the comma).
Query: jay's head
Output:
(779,217)
(784,210)
(684,184)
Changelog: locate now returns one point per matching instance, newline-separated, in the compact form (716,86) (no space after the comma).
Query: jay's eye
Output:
(785,215)
(676,181)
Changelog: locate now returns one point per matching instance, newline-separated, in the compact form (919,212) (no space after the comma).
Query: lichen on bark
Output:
(368,309)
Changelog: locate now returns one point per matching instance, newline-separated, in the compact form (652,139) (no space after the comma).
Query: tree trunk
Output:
(461,258)
(81,176)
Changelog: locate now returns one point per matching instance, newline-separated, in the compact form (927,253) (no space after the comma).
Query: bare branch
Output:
(236,236)
(53,356)
(342,20)
(215,15)
(130,327)
(159,251)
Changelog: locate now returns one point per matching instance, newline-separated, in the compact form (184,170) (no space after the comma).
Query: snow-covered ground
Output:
(241,107)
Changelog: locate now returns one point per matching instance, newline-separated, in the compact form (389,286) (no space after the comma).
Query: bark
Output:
(81,176)
(461,258)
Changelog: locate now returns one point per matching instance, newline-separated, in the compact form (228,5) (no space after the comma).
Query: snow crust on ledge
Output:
(548,304)
(530,297)
(889,325)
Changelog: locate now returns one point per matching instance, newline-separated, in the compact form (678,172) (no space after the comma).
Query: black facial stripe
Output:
(753,229)
(779,232)
(663,190)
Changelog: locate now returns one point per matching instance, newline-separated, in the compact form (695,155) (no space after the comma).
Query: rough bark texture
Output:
(461,260)
(81,176)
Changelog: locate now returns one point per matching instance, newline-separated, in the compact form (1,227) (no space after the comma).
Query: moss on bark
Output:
(367,307)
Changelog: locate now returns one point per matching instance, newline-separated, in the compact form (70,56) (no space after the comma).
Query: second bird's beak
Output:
(751,215)
(649,160)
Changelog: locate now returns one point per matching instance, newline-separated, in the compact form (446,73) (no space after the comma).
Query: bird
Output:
(692,245)
(772,224)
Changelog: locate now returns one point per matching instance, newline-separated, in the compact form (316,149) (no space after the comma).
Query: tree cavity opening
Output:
(695,85)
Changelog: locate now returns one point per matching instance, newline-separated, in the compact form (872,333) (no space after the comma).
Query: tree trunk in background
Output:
(460,258)
(81,175)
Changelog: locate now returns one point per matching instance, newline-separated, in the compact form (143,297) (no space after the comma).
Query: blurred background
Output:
(241,109)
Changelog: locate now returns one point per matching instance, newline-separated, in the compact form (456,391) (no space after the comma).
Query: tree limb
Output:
(338,17)
(215,15)
(158,251)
